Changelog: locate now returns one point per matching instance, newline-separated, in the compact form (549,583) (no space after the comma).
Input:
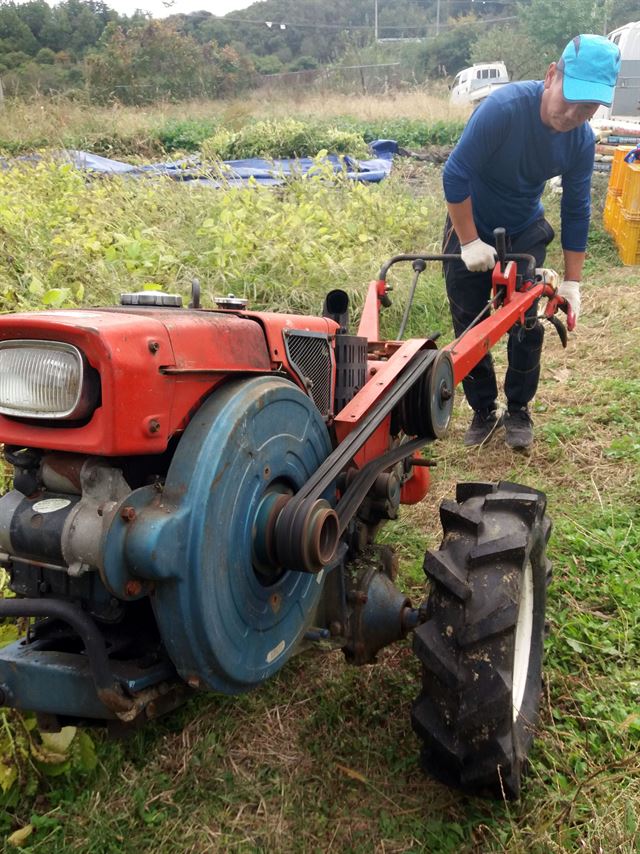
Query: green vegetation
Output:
(73,242)
(233,138)
(153,61)
(185,135)
(286,138)
(85,49)
(409,133)
(292,137)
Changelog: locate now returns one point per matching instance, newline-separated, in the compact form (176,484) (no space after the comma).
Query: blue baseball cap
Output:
(590,66)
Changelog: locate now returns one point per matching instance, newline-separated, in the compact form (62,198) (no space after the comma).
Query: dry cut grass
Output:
(419,103)
(53,121)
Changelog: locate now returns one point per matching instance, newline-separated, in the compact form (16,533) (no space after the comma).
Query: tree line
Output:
(82,47)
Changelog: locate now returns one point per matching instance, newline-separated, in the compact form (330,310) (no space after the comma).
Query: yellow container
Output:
(616,217)
(609,211)
(628,240)
(631,187)
(616,177)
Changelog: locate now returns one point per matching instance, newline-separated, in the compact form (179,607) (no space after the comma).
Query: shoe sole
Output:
(499,423)
(520,449)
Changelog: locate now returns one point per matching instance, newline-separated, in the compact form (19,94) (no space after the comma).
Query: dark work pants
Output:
(469,293)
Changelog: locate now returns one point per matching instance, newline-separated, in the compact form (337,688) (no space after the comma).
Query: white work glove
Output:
(571,292)
(478,256)
(548,276)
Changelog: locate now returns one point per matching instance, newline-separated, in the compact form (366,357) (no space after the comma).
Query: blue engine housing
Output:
(226,624)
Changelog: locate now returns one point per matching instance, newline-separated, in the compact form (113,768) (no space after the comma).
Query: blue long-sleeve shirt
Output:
(506,154)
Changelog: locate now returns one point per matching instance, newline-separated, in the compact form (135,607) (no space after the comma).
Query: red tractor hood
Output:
(155,365)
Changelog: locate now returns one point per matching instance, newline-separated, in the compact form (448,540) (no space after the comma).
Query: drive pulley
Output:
(229,617)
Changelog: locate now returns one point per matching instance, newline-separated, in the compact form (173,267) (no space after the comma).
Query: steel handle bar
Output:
(382,275)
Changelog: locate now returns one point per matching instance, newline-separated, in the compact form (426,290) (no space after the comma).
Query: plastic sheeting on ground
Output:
(233,172)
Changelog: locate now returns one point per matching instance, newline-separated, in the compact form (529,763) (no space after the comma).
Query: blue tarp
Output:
(238,172)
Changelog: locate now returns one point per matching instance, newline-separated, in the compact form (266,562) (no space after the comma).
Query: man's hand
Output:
(478,256)
(571,292)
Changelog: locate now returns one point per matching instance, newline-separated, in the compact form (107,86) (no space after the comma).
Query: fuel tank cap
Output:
(154,298)
(231,301)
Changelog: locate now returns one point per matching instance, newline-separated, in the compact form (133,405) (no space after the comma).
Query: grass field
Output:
(53,119)
(323,757)
(154,130)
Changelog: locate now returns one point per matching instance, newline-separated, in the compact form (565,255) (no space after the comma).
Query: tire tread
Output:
(464,715)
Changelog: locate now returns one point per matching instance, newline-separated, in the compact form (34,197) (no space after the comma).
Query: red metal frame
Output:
(473,345)
(465,352)
(156,366)
(369,320)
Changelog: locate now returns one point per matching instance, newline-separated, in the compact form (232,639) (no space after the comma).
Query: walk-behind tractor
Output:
(196,495)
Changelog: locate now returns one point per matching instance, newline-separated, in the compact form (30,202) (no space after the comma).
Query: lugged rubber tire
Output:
(477,711)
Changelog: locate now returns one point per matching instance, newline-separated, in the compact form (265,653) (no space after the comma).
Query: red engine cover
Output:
(155,366)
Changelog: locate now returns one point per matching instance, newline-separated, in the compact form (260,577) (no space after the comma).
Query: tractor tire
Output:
(481,645)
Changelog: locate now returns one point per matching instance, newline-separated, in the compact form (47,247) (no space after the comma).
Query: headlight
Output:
(45,379)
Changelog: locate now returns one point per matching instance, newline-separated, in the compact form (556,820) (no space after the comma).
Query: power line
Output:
(306,25)
(301,24)
(330,69)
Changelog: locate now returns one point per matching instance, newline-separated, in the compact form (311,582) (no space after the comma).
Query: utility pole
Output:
(438,17)
(375,18)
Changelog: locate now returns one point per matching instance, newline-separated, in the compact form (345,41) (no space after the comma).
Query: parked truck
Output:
(474,84)
(626,99)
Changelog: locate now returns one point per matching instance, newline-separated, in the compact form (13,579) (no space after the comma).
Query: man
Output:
(522,135)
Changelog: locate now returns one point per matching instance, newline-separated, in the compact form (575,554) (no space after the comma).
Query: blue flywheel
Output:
(228,618)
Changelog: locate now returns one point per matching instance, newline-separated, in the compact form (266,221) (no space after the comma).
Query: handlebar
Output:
(530,260)
(555,301)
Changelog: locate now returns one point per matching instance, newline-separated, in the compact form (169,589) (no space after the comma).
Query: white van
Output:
(472,85)
(626,99)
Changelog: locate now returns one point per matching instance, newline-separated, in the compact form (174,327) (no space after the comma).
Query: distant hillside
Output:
(304,32)
(85,49)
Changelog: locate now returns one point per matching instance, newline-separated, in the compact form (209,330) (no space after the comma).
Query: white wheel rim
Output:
(524,632)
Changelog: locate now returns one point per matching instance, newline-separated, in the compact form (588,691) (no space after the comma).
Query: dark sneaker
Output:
(483,425)
(519,429)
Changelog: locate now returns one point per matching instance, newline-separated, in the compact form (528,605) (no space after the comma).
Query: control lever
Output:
(500,237)
(555,302)
(565,306)
(560,329)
